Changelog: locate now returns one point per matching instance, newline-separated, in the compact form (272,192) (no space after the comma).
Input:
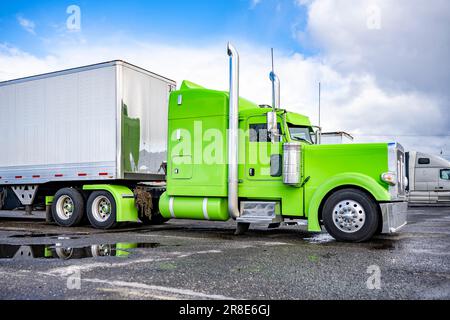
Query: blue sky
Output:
(268,23)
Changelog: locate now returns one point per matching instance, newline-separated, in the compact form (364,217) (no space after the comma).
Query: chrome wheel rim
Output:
(64,253)
(101,208)
(349,216)
(64,207)
(101,250)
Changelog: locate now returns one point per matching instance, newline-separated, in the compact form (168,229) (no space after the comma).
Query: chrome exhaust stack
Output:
(272,126)
(275,91)
(233,133)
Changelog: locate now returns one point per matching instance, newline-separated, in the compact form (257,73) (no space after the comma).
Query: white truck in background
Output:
(429,179)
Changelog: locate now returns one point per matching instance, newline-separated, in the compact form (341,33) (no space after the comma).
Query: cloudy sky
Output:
(384,65)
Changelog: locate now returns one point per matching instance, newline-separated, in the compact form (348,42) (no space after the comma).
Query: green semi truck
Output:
(229,158)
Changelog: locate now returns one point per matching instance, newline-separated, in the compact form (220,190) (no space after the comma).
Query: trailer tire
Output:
(105,250)
(350,215)
(68,207)
(85,220)
(101,210)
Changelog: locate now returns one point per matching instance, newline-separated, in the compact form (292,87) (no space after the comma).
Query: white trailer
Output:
(429,179)
(103,123)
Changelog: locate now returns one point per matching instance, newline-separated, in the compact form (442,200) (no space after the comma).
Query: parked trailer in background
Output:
(429,179)
(94,142)
(336,138)
(89,132)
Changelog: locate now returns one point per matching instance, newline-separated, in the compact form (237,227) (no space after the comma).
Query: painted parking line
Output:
(156,289)
(69,270)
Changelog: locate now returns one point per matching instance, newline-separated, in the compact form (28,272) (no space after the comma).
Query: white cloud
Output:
(27,24)
(354,102)
(399,71)
(409,52)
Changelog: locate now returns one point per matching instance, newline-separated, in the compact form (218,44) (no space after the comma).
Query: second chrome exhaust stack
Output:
(272,122)
(233,133)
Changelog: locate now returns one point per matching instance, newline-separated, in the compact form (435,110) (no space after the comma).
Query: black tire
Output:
(77,211)
(364,216)
(241,228)
(85,220)
(109,221)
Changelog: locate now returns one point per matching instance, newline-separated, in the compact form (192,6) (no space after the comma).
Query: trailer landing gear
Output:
(29,210)
(241,228)
(26,195)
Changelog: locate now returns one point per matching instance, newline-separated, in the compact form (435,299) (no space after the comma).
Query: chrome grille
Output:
(401,172)
(396,158)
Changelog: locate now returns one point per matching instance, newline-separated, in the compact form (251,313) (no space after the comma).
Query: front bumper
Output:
(394,215)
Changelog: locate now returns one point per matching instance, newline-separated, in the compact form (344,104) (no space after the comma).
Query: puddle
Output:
(374,244)
(384,245)
(59,251)
(32,235)
(44,235)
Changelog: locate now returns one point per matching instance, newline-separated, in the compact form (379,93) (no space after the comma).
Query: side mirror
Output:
(272,124)
(318,135)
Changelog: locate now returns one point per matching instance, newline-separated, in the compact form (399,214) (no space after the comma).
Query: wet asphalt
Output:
(204,260)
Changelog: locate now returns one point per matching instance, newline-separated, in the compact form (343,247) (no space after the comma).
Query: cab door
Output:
(444,186)
(262,173)
(264,161)
(424,185)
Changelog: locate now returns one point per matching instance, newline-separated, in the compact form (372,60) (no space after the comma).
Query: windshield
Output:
(299,133)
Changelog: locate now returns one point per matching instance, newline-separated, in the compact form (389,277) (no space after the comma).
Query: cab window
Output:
(259,133)
(300,133)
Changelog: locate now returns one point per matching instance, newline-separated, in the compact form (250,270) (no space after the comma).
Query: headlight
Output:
(390,178)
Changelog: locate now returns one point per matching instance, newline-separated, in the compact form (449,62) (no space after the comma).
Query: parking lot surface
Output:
(204,260)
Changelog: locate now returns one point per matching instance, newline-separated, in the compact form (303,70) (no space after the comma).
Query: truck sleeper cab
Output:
(354,190)
(342,178)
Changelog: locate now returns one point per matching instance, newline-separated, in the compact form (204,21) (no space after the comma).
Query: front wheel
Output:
(101,210)
(350,215)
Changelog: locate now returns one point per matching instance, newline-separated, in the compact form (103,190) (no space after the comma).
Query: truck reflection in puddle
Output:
(64,252)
